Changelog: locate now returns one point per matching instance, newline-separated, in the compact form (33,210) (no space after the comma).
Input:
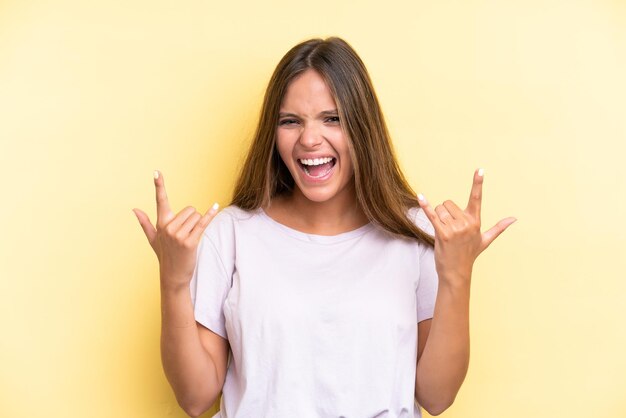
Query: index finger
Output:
(163,204)
(476,195)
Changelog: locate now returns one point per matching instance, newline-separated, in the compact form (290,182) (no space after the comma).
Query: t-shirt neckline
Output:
(320,239)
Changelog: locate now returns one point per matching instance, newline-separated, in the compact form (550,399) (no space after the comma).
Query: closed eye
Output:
(287,122)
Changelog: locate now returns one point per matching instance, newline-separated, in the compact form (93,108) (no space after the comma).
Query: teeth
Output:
(315,161)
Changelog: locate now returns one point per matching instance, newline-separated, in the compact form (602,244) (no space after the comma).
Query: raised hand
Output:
(175,238)
(458,240)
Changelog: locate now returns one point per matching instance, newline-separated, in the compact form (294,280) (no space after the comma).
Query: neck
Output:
(340,214)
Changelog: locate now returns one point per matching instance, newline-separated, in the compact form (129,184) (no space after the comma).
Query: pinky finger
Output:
(199,228)
(429,211)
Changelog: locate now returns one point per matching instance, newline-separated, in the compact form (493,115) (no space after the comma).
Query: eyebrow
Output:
(322,113)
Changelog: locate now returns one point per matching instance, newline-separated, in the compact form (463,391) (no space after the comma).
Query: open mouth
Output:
(317,168)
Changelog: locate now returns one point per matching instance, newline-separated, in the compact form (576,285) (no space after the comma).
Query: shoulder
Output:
(226,221)
(222,234)
(417,215)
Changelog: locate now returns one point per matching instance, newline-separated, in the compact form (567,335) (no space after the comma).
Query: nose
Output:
(311,136)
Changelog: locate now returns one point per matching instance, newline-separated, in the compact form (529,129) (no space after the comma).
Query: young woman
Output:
(320,291)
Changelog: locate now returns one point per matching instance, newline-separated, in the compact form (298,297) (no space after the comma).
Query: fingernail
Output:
(156,174)
(421,197)
(215,206)
(481,172)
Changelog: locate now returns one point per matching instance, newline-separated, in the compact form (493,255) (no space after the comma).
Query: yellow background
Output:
(96,95)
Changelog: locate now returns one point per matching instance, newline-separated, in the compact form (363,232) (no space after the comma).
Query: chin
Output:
(320,195)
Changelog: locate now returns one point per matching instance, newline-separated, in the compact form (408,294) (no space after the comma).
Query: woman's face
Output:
(310,140)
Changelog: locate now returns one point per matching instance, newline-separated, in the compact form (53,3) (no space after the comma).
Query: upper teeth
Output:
(316,161)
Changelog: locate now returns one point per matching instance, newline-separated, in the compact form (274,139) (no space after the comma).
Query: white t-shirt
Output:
(319,326)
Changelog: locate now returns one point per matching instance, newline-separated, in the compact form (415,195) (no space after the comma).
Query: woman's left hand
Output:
(458,240)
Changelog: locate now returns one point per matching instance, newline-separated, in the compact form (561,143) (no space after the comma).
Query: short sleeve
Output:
(428,281)
(212,279)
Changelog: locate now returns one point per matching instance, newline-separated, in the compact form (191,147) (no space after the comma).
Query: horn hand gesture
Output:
(175,238)
(458,239)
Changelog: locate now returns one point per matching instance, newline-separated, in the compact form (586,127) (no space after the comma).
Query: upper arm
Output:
(218,348)
(423,329)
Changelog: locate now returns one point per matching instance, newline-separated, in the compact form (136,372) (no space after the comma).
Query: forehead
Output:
(308,91)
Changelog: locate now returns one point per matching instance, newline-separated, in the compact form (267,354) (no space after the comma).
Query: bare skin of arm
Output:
(444,341)
(444,358)
(194,358)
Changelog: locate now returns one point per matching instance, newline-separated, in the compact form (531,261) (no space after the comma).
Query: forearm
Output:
(445,359)
(188,367)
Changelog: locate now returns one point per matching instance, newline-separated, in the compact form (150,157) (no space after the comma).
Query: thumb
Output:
(146,225)
(493,233)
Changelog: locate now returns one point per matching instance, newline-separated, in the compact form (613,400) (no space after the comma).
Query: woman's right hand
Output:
(176,237)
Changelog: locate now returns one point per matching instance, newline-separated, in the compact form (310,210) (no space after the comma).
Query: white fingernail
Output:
(420,197)
(481,171)
(215,206)
(156,174)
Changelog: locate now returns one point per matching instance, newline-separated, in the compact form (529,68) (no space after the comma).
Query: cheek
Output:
(347,165)
(282,146)
(343,149)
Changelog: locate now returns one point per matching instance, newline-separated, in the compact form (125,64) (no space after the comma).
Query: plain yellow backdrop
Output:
(96,95)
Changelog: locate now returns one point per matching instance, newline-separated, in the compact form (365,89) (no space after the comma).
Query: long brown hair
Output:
(381,189)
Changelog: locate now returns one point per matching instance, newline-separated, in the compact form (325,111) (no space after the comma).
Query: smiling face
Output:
(310,140)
